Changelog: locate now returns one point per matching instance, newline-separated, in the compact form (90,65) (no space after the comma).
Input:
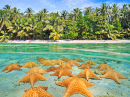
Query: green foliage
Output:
(106,22)
(117,26)
(4,36)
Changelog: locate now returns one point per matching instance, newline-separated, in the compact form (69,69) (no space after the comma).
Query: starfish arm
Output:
(34,64)
(120,76)
(24,79)
(6,68)
(95,76)
(36,92)
(88,84)
(82,73)
(32,79)
(64,72)
(77,86)
(11,68)
(65,82)
(115,77)
(30,66)
(39,77)
(107,75)
(55,73)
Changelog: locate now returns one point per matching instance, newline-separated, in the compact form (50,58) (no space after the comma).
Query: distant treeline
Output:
(106,22)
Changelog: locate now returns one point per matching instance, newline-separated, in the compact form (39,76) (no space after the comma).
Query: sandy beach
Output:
(68,41)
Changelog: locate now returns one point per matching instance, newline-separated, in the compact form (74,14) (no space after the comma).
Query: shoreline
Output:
(68,41)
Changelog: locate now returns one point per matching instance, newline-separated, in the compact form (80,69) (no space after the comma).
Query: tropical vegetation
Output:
(106,22)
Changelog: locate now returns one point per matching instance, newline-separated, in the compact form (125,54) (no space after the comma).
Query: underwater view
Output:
(65,70)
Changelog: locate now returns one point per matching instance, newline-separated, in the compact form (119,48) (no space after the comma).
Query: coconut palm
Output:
(115,13)
(76,12)
(7,7)
(64,13)
(29,11)
(88,10)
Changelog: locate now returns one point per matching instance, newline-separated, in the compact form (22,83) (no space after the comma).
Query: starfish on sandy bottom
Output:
(40,59)
(85,66)
(66,65)
(37,70)
(42,87)
(30,64)
(51,69)
(73,62)
(65,59)
(12,67)
(62,72)
(76,85)
(112,74)
(90,62)
(103,67)
(53,61)
(58,62)
(32,78)
(87,73)
(79,60)
(38,91)
(46,62)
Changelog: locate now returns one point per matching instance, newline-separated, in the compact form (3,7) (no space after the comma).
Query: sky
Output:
(58,5)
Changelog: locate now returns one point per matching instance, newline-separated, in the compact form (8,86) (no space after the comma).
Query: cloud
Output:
(57,5)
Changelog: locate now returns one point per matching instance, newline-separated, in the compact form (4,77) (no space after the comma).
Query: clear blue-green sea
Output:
(117,56)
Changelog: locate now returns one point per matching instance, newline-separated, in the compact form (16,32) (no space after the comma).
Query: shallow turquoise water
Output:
(115,55)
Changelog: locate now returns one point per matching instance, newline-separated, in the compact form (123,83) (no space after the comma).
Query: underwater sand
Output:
(102,88)
(115,55)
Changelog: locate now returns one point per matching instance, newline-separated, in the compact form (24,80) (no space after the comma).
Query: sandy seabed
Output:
(102,88)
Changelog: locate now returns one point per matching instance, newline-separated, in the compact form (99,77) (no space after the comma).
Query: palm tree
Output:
(123,15)
(104,11)
(7,7)
(76,12)
(42,14)
(114,12)
(97,10)
(29,11)
(88,10)
(64,13)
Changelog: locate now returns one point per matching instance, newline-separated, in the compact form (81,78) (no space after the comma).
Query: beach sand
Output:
(69,41)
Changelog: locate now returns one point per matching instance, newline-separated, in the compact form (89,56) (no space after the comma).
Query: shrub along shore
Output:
(104,23)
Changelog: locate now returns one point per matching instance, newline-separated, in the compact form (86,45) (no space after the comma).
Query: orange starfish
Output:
(12,67)
(46,62)
(42,87)
(76,85)
(30,64)
(65,82)
(87,73)
(32,78)
(51,69)
(58,62)
(37,70)
(112,74)
(74,62)
(62,72)
(103,67)
(53,61)
(66,65)
(65,59)
(37,92)
(79,60)
(90,62)
(40,59)
(86,66)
